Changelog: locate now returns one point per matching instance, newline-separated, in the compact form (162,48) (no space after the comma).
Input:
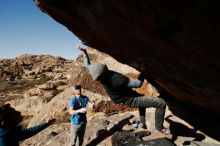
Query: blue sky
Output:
(24,29)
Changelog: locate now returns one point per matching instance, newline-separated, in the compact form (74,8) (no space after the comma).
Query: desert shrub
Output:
(44,78)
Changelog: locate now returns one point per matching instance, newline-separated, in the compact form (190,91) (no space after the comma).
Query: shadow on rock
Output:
(103,134)
(200,119)
(179,129)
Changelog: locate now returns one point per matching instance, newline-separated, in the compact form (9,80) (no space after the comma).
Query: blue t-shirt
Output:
(75,104)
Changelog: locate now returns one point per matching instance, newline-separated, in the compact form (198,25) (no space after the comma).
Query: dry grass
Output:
(10,90)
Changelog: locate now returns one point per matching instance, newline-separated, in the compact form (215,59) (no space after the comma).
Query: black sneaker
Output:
(142,125)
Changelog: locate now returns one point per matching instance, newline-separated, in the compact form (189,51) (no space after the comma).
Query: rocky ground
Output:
(39,87)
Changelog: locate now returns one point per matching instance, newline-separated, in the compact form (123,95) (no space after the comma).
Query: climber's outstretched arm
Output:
(85,57)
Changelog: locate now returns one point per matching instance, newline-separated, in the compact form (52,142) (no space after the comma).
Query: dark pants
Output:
(143,102)
(77,134)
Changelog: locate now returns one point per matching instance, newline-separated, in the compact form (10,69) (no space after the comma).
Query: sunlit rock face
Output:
(175,43)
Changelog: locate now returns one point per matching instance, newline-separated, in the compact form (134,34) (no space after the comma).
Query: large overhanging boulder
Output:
(175,43)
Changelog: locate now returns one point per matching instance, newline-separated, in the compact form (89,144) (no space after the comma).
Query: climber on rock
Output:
(119,89)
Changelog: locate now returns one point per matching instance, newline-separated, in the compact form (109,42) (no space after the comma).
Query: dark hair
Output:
(77,87)
(3,111)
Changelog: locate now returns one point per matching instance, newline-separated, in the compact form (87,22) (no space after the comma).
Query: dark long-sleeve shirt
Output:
(11,137)
(116,86)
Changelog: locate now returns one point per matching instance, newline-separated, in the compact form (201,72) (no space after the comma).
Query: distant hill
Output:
(24,72)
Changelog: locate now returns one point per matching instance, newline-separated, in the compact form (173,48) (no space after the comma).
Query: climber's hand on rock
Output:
(81,49)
